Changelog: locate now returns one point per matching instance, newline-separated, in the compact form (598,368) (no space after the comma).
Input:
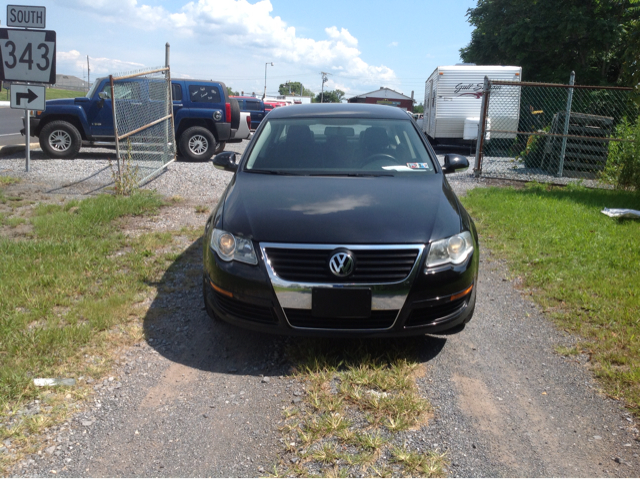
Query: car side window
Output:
(252,105)
(123,91)
(176,91)
(106,91)
(204,94)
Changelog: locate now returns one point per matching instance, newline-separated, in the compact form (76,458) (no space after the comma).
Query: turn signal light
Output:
(460,295)
(221,291)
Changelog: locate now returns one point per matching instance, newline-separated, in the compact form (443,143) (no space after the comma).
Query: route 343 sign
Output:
(28,55)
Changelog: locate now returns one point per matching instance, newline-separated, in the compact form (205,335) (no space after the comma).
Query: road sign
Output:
(27,97)
(26,16)
(28,55)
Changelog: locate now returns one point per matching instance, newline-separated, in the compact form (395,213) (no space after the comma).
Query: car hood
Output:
(62,101)
(340,210)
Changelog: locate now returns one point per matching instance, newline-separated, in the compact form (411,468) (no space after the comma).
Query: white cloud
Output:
(393,44)
(144,17)
(75,61)
(237,25)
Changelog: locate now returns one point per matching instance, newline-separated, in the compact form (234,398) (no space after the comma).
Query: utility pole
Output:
(88,72)
(324,80)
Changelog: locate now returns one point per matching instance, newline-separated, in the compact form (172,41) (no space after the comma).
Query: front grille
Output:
(246,311)
(372,265)
(432,314)
(302,318)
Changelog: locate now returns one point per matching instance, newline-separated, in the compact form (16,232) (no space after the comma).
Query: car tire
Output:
(197,144)
(60,139)
(235,114)
(220,148)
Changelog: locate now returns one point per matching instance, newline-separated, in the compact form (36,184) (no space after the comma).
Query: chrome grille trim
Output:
(384,296)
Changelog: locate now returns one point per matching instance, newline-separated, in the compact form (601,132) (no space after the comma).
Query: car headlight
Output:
(233,248)
(455,250)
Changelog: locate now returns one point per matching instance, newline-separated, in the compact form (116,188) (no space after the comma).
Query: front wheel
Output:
(220,148)
(197,143)
(60,139)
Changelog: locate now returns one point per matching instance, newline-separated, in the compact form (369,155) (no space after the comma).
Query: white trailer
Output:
(453,95)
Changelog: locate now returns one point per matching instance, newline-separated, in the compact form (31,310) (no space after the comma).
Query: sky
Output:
(362,44)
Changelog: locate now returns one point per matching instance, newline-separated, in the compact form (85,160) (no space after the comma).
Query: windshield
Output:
(92,90)
(339,146)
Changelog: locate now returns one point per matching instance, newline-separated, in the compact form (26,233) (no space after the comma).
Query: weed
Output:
(8,180)
(125,174)
(415,464)
(359,395)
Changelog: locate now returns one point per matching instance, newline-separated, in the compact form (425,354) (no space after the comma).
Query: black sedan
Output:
(339,221)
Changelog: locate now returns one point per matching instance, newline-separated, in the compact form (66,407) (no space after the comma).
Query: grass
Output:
(580,265)
(70,292)
(53,93)
(359,396)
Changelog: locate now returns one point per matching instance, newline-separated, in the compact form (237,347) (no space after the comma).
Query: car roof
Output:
(343,110)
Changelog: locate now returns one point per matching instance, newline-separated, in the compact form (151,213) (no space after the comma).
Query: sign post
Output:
(28,97)
(27,56)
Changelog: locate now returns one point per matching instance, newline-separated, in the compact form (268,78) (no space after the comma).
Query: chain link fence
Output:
(550,132)
(143,123)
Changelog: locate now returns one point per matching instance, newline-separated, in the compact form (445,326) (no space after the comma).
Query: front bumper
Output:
(253,297)
(34,126)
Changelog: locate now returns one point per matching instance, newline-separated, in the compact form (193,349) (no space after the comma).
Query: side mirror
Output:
(103,96)
(226,161)
(453,162)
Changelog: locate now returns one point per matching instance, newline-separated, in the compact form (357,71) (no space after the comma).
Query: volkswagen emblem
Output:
(342,264)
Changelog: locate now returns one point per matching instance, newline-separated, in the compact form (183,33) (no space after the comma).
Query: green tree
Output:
(418,108)
(550,38)
(230,92)
(293,88)
(333,96)
(631,56)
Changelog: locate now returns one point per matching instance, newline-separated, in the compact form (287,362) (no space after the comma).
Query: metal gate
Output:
(549,132)
(143,122)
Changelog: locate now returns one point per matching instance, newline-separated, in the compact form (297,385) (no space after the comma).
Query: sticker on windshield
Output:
(398,168)
(418,166)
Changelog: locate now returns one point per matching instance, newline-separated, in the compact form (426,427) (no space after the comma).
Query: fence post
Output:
(566,124)
(169,111)
(486,90)
(115,126)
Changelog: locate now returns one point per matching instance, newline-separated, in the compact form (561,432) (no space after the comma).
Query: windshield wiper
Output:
(271,172)
(355,175)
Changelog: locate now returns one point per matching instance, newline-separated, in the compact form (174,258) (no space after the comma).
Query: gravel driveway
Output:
(205,399)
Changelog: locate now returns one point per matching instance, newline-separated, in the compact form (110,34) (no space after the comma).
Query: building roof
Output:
(383,92)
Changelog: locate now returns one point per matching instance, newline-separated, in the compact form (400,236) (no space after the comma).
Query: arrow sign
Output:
(27,97)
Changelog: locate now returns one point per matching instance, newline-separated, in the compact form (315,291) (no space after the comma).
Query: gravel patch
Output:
(91,173)
(198,398)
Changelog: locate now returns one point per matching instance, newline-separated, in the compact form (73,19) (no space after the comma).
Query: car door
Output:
(100,114)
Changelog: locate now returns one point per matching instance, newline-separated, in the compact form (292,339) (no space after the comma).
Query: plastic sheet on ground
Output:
(621,213)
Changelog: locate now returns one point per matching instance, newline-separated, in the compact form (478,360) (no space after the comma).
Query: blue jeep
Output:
(254,106)
(205,117)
